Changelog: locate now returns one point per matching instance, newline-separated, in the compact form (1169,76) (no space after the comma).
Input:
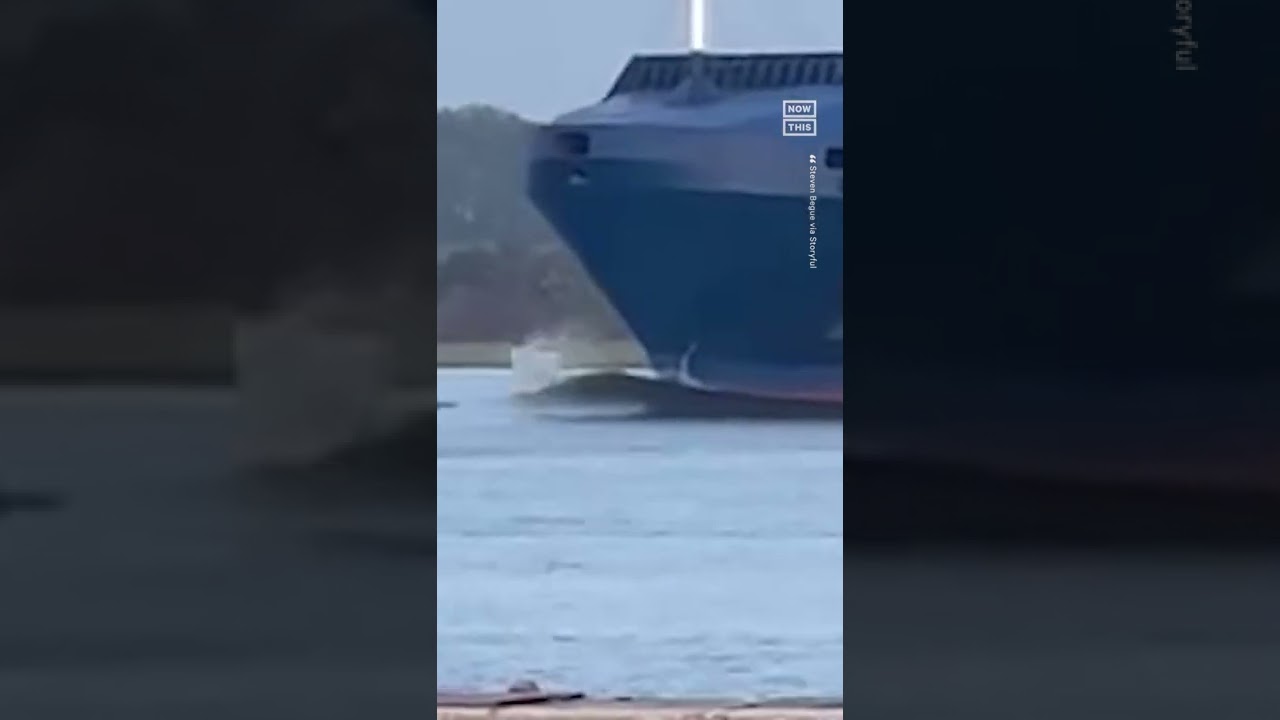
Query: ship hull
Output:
(716,286)
(716,237)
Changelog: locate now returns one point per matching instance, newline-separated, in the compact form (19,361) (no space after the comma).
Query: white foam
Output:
(535,366)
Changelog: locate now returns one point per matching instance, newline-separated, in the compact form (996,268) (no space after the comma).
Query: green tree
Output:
(480,181)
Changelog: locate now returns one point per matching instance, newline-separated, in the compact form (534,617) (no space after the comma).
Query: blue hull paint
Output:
(726,275)
(712,269)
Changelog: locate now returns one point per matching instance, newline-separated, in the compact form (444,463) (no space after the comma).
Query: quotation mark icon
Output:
(813,159)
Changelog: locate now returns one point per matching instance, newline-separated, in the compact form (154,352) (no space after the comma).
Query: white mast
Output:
(697,87)
(697,25)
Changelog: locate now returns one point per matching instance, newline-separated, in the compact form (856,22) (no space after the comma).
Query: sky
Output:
(541,58)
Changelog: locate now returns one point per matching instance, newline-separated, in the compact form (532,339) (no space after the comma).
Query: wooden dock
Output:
(573,706)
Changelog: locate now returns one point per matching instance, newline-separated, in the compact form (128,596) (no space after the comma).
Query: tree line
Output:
(501,270)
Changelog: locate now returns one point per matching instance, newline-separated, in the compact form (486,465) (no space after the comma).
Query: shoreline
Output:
(607,353)
(573,707)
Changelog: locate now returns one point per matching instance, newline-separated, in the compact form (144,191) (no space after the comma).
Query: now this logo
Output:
(800,117)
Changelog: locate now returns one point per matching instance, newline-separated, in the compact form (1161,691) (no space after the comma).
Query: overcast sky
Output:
(540,58)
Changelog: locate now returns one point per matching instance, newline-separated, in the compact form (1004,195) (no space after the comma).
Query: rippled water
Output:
(635,556)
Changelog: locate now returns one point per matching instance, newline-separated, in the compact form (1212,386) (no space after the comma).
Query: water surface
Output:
(636,556)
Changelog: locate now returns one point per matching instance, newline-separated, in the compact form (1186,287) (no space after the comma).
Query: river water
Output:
(589,550)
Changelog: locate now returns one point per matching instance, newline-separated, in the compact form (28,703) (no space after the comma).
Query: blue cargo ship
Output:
(704,195)
(1067,245)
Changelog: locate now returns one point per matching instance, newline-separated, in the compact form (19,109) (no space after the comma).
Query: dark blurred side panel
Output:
(1063,261)
(202,151)
(1064,246)
(1055,188)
